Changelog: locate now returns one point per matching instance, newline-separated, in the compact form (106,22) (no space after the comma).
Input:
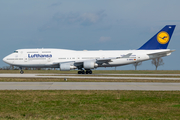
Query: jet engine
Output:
(66,67)
(90,65)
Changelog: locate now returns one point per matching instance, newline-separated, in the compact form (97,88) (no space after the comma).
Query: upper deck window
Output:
(46,51)
(15,51)
(32,52)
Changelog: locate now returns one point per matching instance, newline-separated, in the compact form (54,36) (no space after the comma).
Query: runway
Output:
(88,76)
(88,85)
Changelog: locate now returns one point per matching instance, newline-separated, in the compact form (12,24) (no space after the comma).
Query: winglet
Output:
(160,40)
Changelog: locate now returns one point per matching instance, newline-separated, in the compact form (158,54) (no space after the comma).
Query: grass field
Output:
(79,105)
(98,71)
(92,80)
(90,105)
(80,80)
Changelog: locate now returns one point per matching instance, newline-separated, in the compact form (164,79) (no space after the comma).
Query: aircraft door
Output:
(25,59)
(25,56)
(48,59)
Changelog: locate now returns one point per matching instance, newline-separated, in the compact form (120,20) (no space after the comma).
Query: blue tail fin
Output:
(160,40)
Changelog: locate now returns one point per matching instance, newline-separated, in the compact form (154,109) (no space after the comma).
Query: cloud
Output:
(55,4)
(71,18)
(170,20)
(60,20)
(92,18)
(104,39)
(81,19)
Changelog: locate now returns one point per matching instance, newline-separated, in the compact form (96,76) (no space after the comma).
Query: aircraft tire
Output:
(79,72)
(21,71)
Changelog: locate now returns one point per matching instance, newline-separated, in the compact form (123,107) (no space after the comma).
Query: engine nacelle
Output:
(66,67)
(90,65)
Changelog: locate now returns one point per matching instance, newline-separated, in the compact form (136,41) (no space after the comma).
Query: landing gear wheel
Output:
(81,72)
(21,71)
(88,72)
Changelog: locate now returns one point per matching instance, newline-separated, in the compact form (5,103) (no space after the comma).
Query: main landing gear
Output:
(83,72)
(21,71)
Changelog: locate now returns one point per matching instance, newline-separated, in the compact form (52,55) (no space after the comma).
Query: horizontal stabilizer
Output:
(160,54)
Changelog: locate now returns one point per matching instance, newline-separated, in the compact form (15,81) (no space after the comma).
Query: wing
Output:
(80,63)
(103,60)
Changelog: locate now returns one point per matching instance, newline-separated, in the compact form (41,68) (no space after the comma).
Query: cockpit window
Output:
(15,51)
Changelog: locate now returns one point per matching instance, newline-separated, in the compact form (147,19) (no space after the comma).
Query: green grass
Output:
(81,80)
(177,105)
(112,75)
(79,105)
(98,71)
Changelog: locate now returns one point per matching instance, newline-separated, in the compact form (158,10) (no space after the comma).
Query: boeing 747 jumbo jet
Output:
(84,61)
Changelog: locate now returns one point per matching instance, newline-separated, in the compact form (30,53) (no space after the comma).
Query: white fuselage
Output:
(54,57)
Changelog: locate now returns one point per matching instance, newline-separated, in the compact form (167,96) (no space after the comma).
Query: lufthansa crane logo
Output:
(163,37)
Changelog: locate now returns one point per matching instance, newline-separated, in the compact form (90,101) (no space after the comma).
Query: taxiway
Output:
(88,85)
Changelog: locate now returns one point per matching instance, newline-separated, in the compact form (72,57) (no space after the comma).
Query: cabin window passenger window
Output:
(10,58)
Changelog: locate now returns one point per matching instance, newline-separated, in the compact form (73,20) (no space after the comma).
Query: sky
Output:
(88,25)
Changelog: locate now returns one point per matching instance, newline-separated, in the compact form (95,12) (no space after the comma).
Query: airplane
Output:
(85,60)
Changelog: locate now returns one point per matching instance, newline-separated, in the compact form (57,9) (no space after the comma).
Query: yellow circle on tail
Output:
(163,37)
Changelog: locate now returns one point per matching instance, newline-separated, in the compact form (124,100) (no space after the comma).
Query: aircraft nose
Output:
(4,59)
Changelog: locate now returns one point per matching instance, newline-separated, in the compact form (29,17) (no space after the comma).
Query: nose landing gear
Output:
(21,71)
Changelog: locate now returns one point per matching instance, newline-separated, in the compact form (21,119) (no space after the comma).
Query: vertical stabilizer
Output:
(160,40)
